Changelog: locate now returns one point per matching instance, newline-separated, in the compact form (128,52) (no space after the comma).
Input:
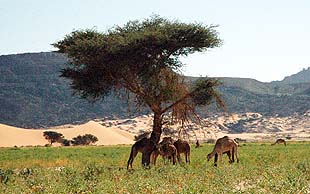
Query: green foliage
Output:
(142,58)
(204,92)
(102,169)
(53,136)
(86,139)
(131,54)
(4,175)
(65,142)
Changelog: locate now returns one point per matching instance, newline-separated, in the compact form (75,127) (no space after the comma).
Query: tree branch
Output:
(178,101)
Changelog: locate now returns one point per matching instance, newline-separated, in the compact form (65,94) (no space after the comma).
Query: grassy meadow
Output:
(102,169)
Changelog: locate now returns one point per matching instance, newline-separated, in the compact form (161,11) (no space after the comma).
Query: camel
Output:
(278,141)
(168,151)
(198,144)
(164,148)
(140,146)
(167,140)
(224,145)
(183,147)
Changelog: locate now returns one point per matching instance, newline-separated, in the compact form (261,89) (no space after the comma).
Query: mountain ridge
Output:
(300,77)
(33,95)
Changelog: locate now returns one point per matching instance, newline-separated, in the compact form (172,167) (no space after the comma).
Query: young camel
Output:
(166,149)
(278,141)
(183,147)
(222,146)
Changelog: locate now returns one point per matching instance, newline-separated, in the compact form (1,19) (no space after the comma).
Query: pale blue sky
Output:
(263,39)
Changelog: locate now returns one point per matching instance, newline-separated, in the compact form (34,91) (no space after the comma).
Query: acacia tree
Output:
(141,58)
(84,140)
(53,136)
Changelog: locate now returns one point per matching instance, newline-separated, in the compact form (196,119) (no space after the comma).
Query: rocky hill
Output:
(300,77)
(244,126)
(33,95)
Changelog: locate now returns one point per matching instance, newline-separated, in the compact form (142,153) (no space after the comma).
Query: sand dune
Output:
(13,136)
(248,126)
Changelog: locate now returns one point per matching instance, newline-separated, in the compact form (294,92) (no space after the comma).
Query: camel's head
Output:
(168,140)
(209,157)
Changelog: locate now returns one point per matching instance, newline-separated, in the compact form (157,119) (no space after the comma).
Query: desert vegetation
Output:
(54,137)
(86,139)
(102,169)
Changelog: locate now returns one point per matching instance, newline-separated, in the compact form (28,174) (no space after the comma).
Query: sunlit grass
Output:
(102,169)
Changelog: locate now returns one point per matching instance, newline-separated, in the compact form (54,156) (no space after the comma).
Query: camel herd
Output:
(170,150)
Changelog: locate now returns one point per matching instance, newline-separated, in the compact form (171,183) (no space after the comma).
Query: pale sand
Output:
(122,131)
(13,136)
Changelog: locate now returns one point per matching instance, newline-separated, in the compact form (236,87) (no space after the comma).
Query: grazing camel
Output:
(162,149)
(222,146)
(167,140)
(183,147)
(139,146)
(278,141)
(198,144)
(168,151)
(165,149)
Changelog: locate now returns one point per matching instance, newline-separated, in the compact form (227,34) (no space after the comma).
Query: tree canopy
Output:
(142,58)
(53,136)
(86,139)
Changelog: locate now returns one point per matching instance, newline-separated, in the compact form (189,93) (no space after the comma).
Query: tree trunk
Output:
(154,139)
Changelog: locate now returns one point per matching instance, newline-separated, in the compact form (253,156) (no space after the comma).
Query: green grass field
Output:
(102,169)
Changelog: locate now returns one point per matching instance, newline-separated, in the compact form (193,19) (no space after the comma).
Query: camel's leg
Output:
(285,143)
(132,156)
(179,158)
(154,157)
(174,159)
(236,153)
(170,158)
(215,159)
(146,157)
(229,156)
(220,156)
(187,157)
(233,154)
